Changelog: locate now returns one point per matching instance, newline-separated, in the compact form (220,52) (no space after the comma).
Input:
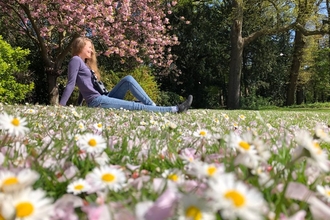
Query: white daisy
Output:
(31,204)
(225,116)
(202,133)
(10,181)
(242,117)
(81,126)
(193,208)
(78,186)
(311,148)
(143,123)
(91,143)
(170,124)
(108,177)
(202,169)
(174,176)
(75,113)
(235,200)
(324,191)
(13,125)
(7,210)
(216,120)
(188,155)
(30,111)
(321,134)
(98,126)
(244,145)
(235,125)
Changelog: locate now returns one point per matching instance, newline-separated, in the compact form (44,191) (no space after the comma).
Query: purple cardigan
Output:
(79,74)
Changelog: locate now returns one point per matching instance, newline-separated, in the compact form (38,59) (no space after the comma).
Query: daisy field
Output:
(68,163)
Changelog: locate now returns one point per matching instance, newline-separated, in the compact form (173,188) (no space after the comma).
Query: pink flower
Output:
(97,212)
(65,207)
(300,215)
(163,207)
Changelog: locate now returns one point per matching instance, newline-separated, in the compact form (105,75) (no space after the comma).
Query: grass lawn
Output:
(203,164)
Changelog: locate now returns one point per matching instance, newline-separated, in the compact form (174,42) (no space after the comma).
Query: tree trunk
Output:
(52,76)
(236,56)
(300,95)
(295,67)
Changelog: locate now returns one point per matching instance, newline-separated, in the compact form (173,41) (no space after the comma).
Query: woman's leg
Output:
(128,83)
(105,101)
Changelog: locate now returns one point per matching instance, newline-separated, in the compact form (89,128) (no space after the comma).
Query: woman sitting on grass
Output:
(79,73)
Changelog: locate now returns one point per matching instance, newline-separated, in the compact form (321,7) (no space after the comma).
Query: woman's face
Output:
(86,52)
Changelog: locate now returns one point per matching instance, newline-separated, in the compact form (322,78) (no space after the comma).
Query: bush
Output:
(143,76)
(169,98)
(254,102)
(14,75)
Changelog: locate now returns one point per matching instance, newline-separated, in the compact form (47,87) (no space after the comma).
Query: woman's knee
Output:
(129,78)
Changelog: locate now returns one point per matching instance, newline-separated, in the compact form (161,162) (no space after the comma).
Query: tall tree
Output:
(202,55)
(238,42)
(127,28)
(305,9)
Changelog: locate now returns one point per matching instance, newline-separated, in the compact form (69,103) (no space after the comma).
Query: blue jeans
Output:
(114,99)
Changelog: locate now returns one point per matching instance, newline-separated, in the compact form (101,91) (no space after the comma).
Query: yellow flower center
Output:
(245,145)
(108,177)
(99,125)
(194,213)
(327,192)
(202,133)
(15,122)
(24,209)
(173,177)
(92,142)
(211,170)
(317,147)
(237,198)
(79,187)
(10,181)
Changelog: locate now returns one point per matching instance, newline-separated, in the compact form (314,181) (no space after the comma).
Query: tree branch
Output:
(309,33)
(255,35)
(41,43)
(66,50)
(21,25)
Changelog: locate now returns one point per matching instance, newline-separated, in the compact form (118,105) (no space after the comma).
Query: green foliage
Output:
(13,68)
(169,98)
(320,82)
(254,102)
(203,52)
(316,105)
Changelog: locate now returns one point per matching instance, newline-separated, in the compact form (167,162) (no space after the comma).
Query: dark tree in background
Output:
(202,55)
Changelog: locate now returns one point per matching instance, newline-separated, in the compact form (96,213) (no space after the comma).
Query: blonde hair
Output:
(77,45)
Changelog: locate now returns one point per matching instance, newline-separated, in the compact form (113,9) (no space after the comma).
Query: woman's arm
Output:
(73,70)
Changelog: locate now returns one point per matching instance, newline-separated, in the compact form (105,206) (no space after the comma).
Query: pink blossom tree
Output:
(128,28)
